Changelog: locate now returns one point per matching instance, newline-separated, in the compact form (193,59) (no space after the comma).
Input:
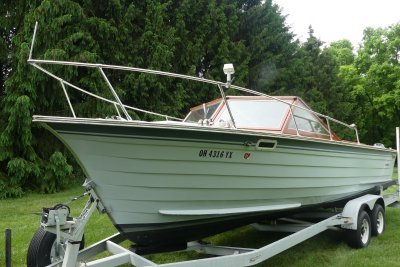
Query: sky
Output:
(333,20)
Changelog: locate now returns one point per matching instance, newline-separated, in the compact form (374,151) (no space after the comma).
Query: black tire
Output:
(361,237)
(40,248)
(377,220)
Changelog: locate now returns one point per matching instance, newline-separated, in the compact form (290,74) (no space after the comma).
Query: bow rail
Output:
(118,103)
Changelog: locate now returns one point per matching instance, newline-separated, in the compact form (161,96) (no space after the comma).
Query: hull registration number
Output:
(205,153)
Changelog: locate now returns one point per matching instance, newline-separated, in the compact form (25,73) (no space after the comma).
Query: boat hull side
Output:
(150,238)
(154,181)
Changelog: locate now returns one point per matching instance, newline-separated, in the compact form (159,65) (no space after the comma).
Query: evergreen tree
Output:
(188,37)
(26,159)
(269,44)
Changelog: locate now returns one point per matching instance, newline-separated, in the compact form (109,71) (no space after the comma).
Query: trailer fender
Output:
(353,207)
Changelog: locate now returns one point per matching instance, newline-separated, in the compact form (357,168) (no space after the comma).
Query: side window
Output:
(198,114)
(307,121)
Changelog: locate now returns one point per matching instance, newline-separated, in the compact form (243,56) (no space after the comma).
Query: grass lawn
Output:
(326,249)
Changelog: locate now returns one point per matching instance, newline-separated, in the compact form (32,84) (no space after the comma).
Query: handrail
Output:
(115,95)
(169,74)
(102,98)
(67,97)
(117,67)
(33,40)
(35,63)
(221,90)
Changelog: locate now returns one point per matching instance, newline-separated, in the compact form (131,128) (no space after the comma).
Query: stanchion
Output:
(8,247)
(398,157)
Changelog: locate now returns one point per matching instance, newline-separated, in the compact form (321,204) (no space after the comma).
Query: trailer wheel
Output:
(360,238)
(377,220)
(42,249)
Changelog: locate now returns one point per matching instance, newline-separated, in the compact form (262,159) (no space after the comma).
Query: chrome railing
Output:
(117,102)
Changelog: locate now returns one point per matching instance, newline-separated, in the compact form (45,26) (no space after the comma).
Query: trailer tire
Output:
(377,220)
(40,248)
(360,237)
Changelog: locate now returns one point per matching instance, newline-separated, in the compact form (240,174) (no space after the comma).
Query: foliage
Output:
(56,173)
(188,37)
(374,80)
(343,52)
(312,74)
(269,43)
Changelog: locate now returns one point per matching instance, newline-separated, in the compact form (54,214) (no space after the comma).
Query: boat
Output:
(232,161)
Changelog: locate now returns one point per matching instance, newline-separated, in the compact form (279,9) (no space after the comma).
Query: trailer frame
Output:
(57,222)
(228,256)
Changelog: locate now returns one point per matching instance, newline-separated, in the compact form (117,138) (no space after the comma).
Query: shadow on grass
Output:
(248,237)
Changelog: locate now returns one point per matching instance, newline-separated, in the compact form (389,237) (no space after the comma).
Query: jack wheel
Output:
(43,249)
(377,220)
(361,237)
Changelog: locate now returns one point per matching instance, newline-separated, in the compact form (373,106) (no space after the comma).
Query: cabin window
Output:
(203,112)
(257,114)
(307,121)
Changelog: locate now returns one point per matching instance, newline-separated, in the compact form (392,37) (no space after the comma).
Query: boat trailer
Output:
(360,218)
(352,218)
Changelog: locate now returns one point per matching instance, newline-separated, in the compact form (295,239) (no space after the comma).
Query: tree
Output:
(23,156)
(190,37)
(269,44)
(377,92)
(343,52)
(341,101)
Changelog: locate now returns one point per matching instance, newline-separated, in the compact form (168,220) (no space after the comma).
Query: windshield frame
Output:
(282,123)
(210,116)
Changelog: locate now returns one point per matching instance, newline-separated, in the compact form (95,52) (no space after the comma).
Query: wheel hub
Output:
(365,231)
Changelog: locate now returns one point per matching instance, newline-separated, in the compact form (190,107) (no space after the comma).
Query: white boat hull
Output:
(153,176)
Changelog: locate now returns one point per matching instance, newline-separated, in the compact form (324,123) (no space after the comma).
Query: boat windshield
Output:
(205,111)
(257,114)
